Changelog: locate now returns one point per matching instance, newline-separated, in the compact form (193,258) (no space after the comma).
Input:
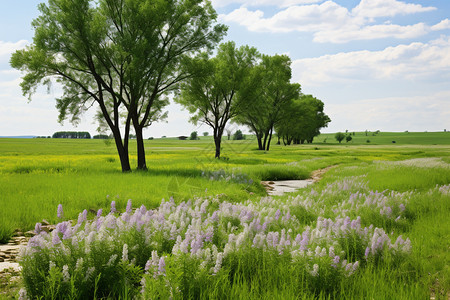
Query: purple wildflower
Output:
(148,264)
(129,206)
(162,266)
(60,211)
(366,254)
(38,228)
(56,240)
(113,207)
(82,217)
(99,213)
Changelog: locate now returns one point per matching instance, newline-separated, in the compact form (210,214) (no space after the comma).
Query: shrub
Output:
(238,135)
(194,135)
(339,136)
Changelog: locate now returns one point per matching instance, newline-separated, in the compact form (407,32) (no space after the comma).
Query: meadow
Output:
(376,225)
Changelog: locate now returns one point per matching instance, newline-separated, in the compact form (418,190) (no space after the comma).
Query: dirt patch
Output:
(318,174)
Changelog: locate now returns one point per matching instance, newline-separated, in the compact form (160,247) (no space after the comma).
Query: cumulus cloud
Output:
(387,8)
(7,48)
(444,24)
(415,60)
(333,23)
(371,32)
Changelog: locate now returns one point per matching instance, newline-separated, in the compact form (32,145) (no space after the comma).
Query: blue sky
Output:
(376,64)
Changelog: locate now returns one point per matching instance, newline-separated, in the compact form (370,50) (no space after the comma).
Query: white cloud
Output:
(333,23)
(371,32)
(387,8)
(325,16)
(279,3)
(444,24)
(7,48)
(416,60)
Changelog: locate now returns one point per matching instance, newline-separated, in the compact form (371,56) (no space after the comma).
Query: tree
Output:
(213,96)
(205,133)
(269,93)
(339,136)
(348,138)
(238,135)
(160,36)
(302,120)
(194,135)
(124,56)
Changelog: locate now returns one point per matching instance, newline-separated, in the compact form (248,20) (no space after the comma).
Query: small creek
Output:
(279,187)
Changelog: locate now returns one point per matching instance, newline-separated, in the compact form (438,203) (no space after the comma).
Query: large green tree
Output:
(302,120)
(123,55)
(214,95)
(269,94)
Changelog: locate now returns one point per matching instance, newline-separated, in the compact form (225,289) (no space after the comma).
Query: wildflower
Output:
(23,294)
(113,207)
(65,272)
(125,252)
(60,211)
(218,264)
(82,217)
(99,213)
(129,206)
(162,266)
(56,240)
(38,228)
(79,264)
(315,271)
(148,264)
(111,260)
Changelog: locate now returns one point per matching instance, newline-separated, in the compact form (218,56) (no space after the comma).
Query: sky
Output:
(376,64)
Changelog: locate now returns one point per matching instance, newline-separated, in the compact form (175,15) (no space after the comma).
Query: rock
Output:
(29,233)
(45,222)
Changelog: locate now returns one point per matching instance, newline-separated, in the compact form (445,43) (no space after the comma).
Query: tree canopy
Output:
(268,96)
(123,56)
(302,120)
(214,95)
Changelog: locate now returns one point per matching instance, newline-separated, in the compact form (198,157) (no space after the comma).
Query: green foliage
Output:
(348,138)
(238,135)
(339,136)
(72,135)
(213,96)
(268,95)
(194,135)
(302,120)
(123,56)
(55,169)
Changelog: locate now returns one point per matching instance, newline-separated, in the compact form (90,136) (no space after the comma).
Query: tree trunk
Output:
(141,163)
(260,145)
(123,151)
(217,141)
(270,138)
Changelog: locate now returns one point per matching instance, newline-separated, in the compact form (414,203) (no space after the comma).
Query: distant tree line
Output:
(71,135)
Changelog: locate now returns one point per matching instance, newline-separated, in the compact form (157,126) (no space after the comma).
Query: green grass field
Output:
(38,174)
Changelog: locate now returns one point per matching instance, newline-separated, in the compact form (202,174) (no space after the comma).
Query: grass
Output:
(38,174)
